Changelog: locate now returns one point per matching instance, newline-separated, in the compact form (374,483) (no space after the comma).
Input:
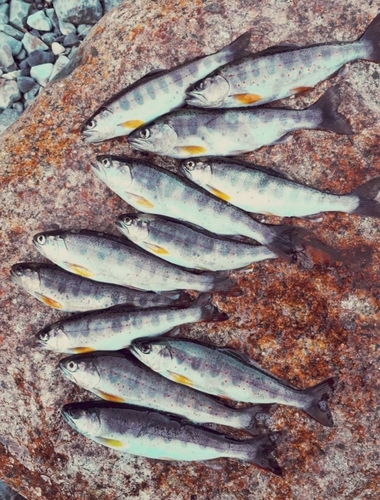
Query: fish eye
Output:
(200,86)
(44,336)
(75,413)
(145,348)
(72,366)
(190,165)
(144,133)
(91,124)
(41,239)
(18,271)
(128,221)
(105,162)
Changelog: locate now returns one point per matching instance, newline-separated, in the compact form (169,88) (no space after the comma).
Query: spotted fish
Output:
(188,246)
(186,133)
(151,434)
(66,291)
(120,378)
(224,373)
(280,72)
(265,191)
(155,94)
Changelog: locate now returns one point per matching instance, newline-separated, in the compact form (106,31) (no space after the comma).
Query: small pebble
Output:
(110,4)
(25,83)
(7,118)
(24,64)
(38,57)
(31,43)
(22,55)
(6,57)
(12,43)
(18,107)
(57,48)
(70,40)
(39,21)
(12,75)
(9,93)
(59,65)
(84,29)
(18,13)
(4,19)
(48,38)
(41,73)
(31,94)
(9,30)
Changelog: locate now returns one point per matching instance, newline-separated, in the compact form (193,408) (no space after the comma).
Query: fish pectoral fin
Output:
(192,150)
(139,200)
(112,443)
(110,397)
(48,301)
(301,90)
(151,247)
(219,194)
(80,270)
(180,379)
(131,124)
(247,98)
(82,350)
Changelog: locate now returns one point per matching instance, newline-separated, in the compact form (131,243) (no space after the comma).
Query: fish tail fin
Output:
(209,311)
(372,35)
(235,49)
(260,451)
(287,242)
(331,119)
(318,408)
(183,299)
(224,285)
(367,193)
(259,416)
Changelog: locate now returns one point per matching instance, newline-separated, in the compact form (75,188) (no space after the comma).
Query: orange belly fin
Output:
(193,150)
(112,443)
(219,194)
(48,301)
(82,350)
(180,379)
(80,270)
(300,90)
(132,124)
(247,98)
(156,249)
(110,397)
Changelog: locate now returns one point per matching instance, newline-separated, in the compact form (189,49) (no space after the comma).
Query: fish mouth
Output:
(91,137)
(198,99)
(139,144)
(68,418)
(15,277)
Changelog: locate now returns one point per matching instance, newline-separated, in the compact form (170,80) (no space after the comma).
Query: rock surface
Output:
(302,325)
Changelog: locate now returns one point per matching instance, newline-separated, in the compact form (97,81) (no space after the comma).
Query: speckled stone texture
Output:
(302,325)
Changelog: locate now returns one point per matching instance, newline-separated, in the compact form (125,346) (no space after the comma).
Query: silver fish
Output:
(155,435)
(155,94)
(279,72)
(106,258)
(265,191)
(116,328)
(189,246)
(120,378)
(69,292)
(185,133)
(155,190)
(225,374)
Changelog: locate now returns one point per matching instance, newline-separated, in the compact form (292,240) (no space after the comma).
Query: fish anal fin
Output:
(219,194)
(301,90)
(111,443)
(180,379)
(157,249)
(193,150)
(80,270)
(110,397)
(82,350)
(131,124)
(247,98)
(48,301)
(139,200)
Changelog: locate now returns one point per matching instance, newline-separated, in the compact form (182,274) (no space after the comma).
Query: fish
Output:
(185,133)
(152,189)
(118,377)
(69,292)
(280,72)
(114,329)
(225,373)
(109,259)
(254,188)
(152,434)
(189,246)
(158,92)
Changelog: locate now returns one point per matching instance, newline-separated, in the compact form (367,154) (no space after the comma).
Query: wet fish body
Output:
(115,329)
(279,72)
(155,190)
(225,374)
(155,435)
(108,259)
(186,133)
(119,377)
(188,246)
(62,290)
(155,94)
(265,191)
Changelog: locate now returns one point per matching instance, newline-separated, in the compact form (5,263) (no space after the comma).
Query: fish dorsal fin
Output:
(277,49)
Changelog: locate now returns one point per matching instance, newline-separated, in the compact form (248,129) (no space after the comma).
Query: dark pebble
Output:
(60,38)
(35,32)
(24,64)
(25,83)
(25,72)
(40,57)
(70,40)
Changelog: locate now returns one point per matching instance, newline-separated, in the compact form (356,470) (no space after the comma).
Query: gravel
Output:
(38,39)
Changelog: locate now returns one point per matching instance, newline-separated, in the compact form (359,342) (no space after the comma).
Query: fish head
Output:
(158,137)
(83,418)
(81,369)
(197,170)
(53,338)
(134,226)
(51,245)
(153,354)
(112,171)
(100,127)
(27,276)
(209,93)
